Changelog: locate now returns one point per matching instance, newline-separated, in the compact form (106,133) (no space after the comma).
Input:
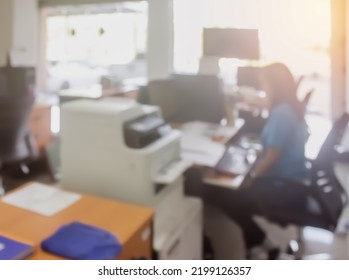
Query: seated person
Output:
(283,138)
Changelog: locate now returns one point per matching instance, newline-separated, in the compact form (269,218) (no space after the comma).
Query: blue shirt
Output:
(285,132)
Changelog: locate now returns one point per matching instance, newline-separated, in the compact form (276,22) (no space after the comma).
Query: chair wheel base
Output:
(295,249)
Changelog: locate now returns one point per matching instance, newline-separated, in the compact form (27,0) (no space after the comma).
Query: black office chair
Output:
(321,202)
(306,99)
(329,149)
(16,143)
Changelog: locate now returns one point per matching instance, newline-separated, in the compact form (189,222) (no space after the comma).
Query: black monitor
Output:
(231,43)
(249,76)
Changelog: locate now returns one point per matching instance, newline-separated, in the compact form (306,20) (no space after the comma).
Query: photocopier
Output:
(120,149)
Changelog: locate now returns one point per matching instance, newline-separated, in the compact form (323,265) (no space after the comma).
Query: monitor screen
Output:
(249,76)
(231,43)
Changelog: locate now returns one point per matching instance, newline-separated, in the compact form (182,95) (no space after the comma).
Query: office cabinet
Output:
(18,32)
(181,239)
(139,245)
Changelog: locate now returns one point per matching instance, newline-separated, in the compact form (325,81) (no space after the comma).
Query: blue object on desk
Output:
(13,250)
(82,242)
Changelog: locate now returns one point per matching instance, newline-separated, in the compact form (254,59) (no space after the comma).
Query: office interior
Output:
(138,106)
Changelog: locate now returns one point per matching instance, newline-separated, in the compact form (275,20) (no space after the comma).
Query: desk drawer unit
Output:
(139,246)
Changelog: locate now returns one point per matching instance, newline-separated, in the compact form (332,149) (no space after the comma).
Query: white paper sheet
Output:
(41,199)
(198,146)
(201,150)
(206,129)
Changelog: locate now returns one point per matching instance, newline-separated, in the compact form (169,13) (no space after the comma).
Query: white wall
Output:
(339,52)
(188,19)
(6,9)
(18,32)
(346,40)
(25,32)
(160,39)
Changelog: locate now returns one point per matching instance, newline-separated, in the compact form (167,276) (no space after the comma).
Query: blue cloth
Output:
(82,242)
(285,132)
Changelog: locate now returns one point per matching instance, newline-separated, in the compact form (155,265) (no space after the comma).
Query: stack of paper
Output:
(201,150)
(41,199)
(199,143)
(211,130)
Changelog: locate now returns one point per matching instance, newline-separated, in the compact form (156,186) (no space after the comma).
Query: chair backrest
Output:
(327,151)
(14,130)
(199,97)
(306,99)
(329,191)
(330,194)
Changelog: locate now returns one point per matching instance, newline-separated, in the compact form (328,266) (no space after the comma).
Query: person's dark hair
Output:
(283,88)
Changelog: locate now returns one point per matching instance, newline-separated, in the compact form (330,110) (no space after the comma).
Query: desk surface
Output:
(215,133)
(121,219)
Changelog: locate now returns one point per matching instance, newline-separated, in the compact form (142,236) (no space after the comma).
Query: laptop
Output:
(236,161)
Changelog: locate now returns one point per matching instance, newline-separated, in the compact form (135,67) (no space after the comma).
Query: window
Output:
(100,39)
(84,43)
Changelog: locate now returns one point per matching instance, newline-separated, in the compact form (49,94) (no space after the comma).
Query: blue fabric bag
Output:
(82,242)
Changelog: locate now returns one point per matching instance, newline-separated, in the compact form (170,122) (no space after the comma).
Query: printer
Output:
(117,148)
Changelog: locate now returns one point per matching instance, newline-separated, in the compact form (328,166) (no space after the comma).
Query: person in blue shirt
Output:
(285,132)
(283,138)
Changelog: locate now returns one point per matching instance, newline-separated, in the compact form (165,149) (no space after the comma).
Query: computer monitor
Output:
(199,97)
(231,43)
(249,76)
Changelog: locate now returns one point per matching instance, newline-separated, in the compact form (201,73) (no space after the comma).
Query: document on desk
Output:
(201,150)
(41,199)
(206,129)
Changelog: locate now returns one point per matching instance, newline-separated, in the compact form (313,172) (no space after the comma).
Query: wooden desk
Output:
(131,224)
